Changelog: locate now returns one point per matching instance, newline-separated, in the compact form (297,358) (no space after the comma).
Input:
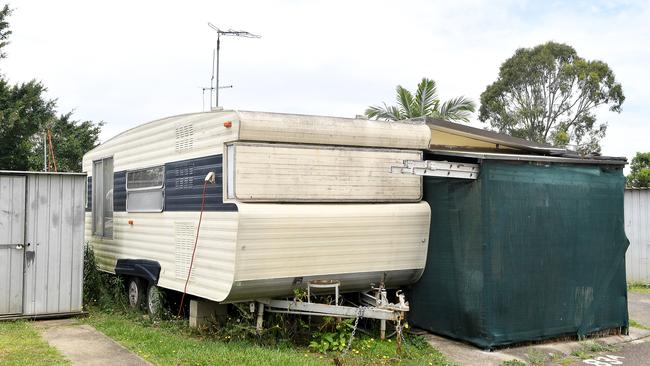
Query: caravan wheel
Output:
(154,301)
(136,293)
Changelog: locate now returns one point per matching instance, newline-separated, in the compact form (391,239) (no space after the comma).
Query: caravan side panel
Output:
(302,129)
(187,146)
(281,245)
(309,173)
(168,238)
(165,140)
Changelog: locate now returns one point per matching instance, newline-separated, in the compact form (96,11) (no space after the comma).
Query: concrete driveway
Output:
(633,349)
(84,345)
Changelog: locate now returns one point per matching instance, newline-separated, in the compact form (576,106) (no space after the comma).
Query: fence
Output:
(637,228)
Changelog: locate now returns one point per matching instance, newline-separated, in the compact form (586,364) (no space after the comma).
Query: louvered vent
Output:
(184,137)
(185,176)
(184,238)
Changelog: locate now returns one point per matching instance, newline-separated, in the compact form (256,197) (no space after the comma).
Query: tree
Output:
(25,114)
(425,103)
(639,176)
(70,141)
(548,94)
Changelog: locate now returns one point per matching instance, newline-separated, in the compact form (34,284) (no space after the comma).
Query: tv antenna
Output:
(232,33)
(211,88)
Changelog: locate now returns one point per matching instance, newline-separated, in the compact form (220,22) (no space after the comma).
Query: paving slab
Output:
(84,345)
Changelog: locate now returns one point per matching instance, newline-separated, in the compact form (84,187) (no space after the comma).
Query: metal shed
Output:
(41,243)
(637,228)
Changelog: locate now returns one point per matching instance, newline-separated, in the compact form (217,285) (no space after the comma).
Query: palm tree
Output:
(425,103)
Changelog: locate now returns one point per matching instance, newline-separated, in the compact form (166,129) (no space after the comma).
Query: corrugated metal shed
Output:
(41,243)
(637,228)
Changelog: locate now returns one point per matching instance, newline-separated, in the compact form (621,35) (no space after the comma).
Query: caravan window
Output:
(102,197)
(145,189)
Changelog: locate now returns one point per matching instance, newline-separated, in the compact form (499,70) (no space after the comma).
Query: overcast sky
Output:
(129,62)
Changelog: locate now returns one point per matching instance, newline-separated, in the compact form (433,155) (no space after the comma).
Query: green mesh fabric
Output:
(528,251)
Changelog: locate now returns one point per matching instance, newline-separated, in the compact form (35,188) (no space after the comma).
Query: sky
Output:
(130,62)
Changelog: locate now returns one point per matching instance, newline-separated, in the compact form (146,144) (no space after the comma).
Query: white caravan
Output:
(296,198)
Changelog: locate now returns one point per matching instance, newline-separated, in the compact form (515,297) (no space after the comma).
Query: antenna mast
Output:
(232,33)
(211,80)
(211,88)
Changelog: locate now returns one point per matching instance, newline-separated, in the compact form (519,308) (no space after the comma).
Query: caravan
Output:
(251,205)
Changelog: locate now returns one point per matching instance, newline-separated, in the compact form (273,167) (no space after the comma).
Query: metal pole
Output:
(44,151)
(211,81)
(216,89)
(260,318)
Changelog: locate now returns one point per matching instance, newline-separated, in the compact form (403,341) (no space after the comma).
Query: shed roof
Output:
(455,139)
(500,139)
(19,172)
(569,159)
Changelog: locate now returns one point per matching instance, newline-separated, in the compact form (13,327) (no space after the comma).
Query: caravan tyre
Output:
(136,292)
(154,301)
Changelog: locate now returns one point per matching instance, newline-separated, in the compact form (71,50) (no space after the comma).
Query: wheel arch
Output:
(146,269)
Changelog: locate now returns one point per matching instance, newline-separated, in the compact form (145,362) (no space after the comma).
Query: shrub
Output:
(101,289)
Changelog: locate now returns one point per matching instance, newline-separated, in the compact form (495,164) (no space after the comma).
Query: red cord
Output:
(196,240)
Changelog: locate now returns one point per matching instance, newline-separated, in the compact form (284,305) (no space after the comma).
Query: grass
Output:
(588,350)
(536,357)
(513,363)
(591,348)
(172,342)
(638,287)
(635,324)
(20,344)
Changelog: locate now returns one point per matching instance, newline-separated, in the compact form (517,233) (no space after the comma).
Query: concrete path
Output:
(638,305)
(84,345)
(633,349)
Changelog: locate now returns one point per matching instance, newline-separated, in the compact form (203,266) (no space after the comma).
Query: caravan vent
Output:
(185,176)
(184,238)
(184,137)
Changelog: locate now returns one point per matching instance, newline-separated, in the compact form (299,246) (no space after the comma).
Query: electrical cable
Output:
(196,241)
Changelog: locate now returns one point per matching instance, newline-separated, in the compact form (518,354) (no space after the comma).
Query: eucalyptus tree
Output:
(549,94)
(639,176)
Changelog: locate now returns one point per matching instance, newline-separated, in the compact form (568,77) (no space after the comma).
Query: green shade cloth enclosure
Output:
(529,251)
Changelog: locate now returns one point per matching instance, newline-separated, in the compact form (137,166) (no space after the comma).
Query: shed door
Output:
(12,236)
